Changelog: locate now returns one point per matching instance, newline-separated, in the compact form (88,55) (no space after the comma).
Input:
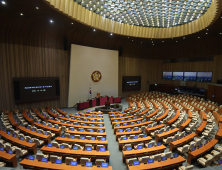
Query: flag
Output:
(90,93)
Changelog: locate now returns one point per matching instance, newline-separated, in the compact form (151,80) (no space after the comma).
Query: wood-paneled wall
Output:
(29,61)
(211,66)
(149,70)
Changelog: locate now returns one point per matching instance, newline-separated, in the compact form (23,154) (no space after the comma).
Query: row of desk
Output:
(99,101)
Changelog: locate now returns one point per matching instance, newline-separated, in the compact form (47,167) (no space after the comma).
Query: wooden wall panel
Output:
(28,61)
(211,66)
(149,70)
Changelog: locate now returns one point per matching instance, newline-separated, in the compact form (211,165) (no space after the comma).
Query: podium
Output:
(101,101)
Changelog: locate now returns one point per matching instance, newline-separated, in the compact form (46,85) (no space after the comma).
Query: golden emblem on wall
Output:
(96,76)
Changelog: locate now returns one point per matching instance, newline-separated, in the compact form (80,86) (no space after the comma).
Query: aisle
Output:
(115,154)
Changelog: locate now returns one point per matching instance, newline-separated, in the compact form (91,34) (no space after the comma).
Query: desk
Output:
(186,123)
(46,138)
(40,116)
(82,142)
(53,130)
(31,121)
(60,111)
(15,141)
(101,101)
(201,151)
(117,115)
(169,164)
(86,133)
(28,164)
(117,100)
(190,115)
(134,141)
(76,153)
(52,114)
(129,121)
(141,114)
(181,142)
(219,132)
(118,134)
(152,129)
(152,114)
(168,123)
(202,126)
(83,105)
(132,126)
(203,115)
(80,121)
(86,117)
(92,102)
(76,126)
(217,118)
(143,152)
(166,134)
(8,158)
(12,121)
(118,118)
(86,114)
(162,116)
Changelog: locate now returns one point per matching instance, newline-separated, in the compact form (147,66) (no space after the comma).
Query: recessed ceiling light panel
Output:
(149,13)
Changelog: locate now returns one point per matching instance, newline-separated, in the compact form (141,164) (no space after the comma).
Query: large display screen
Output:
(167,75)
(177,76)
(190,76)
(36,89)
(204,76)
(131,83)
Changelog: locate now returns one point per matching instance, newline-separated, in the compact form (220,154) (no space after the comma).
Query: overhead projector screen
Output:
(83,62)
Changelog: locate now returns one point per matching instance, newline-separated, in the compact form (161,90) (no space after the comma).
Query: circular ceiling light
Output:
(148,13)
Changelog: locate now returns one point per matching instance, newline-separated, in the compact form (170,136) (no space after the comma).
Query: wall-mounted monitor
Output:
(190,76)
(131,83)
(177,76)
(32,89)
(204,76)
(167,75)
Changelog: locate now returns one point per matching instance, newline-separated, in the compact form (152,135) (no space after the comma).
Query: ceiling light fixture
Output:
(21,13)
(51,21)
(94,30)
(72,23)
(3,2)
(37,7)
(111,33)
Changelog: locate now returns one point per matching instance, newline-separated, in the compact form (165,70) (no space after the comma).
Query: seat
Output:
(77,136)
(99,146)
(189,167)
(67,135)
(204,162)
(219,148)
(84,160)
(39,156)
(51,134)
(9,147)
(27,138)
(156,157)
(53,158)
(69,159)
(38,142)
(20,152)
(63,128)
(89,145)
(126,145)
(79,146)
(167,154)
(183,149)
(143,159)
(140,135)
(55,144)
(67,145)
(216,154)
(168,140)
(136,146)
(99,137)
(130,161)
(98,162)
(2,164)
(88,137)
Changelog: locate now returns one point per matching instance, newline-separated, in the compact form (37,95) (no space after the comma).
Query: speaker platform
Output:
(107,109)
